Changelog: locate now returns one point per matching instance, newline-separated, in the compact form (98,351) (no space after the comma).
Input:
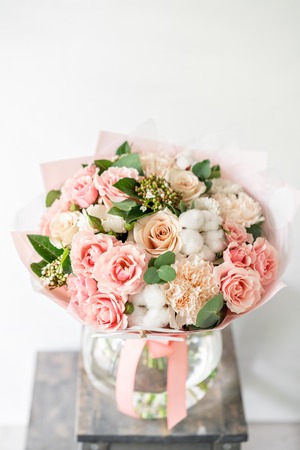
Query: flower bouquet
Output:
(153,240)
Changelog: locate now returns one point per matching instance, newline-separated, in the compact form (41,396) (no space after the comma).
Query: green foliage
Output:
(37,267)
(210,314)
(128,185)
(44,248)
(215,171)
(124,149)
(160,270)
(52,196)
(66,261)
(167,258)
(202,170)
(151,276)
(166,273)
(95,223)
(255,230)
(131,160)
(102,164)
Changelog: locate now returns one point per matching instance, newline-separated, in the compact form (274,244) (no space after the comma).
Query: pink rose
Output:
(240,255)
(59,205)
(81,189)
(106,312)
(241,288)
(266,262)
(236,233)
(87,248)
(80,289)
(120,269)
(105,184)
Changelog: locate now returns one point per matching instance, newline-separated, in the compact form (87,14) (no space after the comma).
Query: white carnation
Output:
(223,186)
(192,241)
(192,219)
(215,240)
(240,208)
(207,204)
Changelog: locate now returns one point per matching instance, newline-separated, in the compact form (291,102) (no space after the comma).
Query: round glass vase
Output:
(101,356)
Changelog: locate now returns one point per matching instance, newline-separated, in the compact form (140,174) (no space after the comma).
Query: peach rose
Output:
(240,287)
(240,255)
(59,205)
(80,189)
(158,233)
(186,183)
(236,232)
(105,312)
(267,260)
(63,228)
(86,249)
(120,269)
(105,184)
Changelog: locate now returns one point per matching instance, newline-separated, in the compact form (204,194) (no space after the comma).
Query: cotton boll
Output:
(138,299)
(211,221)
(192,219)
(156,318)
(215,240)
(207,254)
(184,160)
(154,296)
(192,242)
(137,317)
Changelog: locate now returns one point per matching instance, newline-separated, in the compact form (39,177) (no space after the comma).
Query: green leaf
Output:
(74,207)
(37,267)
(166,273)
(151,262)
(95,223)
(215,171)
(182,206)
(209,315)
(151,276)
(131,160)
(103,164)
(136,213)
(255,230)
(51,197)
(208,185)
(166,259)
(44,248)
(202,169)
(123,149)
(66,261)
(125,205)
(127,185)
(114,211)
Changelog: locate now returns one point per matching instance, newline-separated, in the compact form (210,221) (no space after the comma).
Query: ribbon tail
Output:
(176,382)
(126,371)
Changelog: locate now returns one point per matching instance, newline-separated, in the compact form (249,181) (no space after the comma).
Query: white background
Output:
(72,67)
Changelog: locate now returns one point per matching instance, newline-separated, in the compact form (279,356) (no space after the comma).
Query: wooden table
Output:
(216,422)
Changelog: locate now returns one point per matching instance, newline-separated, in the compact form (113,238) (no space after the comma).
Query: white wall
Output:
(72,67)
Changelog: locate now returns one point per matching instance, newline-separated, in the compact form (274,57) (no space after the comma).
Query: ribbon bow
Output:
(176,352)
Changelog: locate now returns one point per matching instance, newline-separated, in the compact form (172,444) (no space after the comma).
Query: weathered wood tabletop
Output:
(216,422)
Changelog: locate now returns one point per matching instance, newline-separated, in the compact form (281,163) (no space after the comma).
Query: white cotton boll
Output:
(192,219)
(137,317)
(215,240)
(153,296)
(184,160)
(211,221)
(138,299)
(156,318)
(192,242)
(206,253)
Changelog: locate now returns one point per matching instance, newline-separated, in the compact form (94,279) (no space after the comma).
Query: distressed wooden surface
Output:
(217,418)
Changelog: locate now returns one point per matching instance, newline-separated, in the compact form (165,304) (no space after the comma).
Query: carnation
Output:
(223,186)
(240,208)
(207,204)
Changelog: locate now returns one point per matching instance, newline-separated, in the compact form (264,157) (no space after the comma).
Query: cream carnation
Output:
(186,183)
(207,204)
(155,164)
(241,209)
(158,233)
(193,286)
(223,186)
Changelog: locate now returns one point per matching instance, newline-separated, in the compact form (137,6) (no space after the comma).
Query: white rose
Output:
(109,221)
(158,233)
(186,183)
(63,227)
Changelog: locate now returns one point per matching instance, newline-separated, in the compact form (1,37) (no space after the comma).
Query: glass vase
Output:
(101,356)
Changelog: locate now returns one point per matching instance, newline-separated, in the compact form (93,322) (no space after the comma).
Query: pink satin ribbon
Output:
(176,352)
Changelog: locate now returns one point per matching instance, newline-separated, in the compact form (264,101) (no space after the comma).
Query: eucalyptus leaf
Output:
(52,196)
(37,267)
(128,185)
(202,169)
(151,262)
(209,315)
(167,273)
(151,276)
(182,206)
(44,248)
(208,185)
(123,149)
(166,259)
(255,230)
(131,160)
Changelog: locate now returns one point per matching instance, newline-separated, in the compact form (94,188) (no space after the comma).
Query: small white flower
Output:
(149,194)
(143,208)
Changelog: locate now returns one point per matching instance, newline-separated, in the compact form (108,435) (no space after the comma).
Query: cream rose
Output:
(63,227)
(186,183)
(158,233)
